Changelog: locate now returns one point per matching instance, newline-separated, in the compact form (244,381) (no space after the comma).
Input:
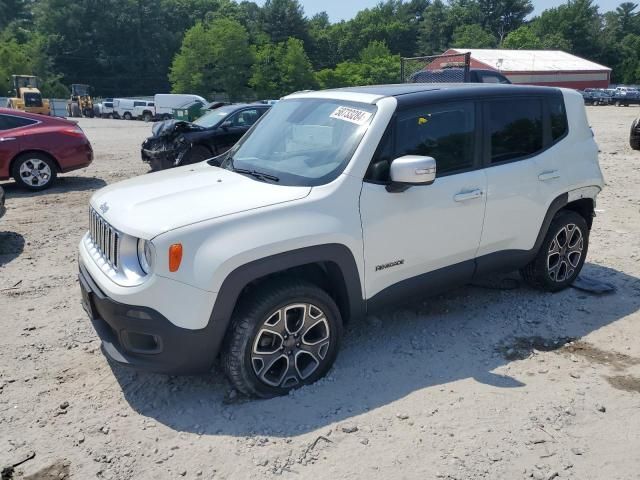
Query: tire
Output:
(570,256)
(197,153)
(634,136)
(265,371)
(618,103)
(146,117)
(127,116)
(34,171)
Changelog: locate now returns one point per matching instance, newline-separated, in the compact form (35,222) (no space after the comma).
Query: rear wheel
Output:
(34,171)
(284,336)
(127,116)
(562,254)
(146,116)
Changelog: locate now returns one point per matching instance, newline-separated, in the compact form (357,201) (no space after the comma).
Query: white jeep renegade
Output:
(335,203)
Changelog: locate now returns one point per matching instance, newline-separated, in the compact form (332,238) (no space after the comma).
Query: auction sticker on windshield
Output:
(353,115)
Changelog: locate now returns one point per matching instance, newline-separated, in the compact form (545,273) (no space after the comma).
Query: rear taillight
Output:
(73,132)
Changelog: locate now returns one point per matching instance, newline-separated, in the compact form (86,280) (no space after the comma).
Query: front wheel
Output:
(284,336)
(562,254)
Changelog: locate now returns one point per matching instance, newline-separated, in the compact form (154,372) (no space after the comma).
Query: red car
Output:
(35,148)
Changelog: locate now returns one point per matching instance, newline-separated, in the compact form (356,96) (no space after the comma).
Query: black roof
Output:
(409,94)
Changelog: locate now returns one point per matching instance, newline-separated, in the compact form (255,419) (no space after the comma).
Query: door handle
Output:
(550,175)
(464,196)
(7,139)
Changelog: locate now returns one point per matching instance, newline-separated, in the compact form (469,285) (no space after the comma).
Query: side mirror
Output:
(226,125)
(411,170)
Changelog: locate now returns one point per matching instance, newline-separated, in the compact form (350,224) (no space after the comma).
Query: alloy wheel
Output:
(565,253)
(290,345)
(35,172)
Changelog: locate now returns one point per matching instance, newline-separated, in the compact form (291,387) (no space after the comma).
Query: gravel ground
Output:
(482,382)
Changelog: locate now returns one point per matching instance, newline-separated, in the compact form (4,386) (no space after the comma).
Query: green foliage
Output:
(215,57)
(282,69)
(523,38)
(473,36)
(376,66)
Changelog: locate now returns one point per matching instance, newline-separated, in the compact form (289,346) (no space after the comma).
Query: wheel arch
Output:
(330,266)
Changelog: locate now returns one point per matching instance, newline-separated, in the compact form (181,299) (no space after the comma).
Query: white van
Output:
(166,102)
(123,108)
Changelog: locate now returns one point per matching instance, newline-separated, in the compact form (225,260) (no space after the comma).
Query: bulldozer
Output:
(81,102)
(26,96)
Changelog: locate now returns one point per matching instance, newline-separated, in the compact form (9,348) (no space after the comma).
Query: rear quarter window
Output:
(558,114)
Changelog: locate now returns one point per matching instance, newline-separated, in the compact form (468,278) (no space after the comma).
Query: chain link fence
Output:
(451,68)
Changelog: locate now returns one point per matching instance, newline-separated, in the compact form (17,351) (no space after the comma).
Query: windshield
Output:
(303,141)
(214,117)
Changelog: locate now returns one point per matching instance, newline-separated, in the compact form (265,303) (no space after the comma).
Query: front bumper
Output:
(142,338)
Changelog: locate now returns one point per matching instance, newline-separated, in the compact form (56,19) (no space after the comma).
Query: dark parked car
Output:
(175,143)
(456,75)
(35,148)
(596,97)
(634,135)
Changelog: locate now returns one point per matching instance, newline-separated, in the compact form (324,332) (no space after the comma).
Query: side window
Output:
(489,78)
(7,122)
(445,132)
(559,125)
(139,104)
(246,118)
(516,127)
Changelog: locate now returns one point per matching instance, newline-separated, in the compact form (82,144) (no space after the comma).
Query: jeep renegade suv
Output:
(334,203)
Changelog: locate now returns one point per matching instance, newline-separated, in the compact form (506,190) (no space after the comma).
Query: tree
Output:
(522,38)
(473,36)
(376,66)
(577,21)
(501,17)
(281,19)
(434,34)
(282,69)
(12,11)
(215,57)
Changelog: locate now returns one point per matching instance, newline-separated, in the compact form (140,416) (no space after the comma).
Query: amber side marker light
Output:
(175,257)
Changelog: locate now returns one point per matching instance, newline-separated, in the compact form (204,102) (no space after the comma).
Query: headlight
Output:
(146,255)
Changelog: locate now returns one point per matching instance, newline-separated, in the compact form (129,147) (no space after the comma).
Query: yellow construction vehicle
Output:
(81,102)
(26,96)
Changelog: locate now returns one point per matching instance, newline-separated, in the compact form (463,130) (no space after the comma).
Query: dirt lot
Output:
(478,383)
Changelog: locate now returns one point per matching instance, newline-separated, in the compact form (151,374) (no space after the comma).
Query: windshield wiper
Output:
(254,173)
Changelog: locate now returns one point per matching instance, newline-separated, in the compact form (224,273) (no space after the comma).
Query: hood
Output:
(151,204)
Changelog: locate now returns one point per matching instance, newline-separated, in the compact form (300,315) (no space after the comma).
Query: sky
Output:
(346,9)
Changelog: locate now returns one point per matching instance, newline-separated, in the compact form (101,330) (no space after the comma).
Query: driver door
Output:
(428,235)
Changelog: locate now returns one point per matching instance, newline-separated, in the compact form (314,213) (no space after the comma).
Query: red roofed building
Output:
(540,67)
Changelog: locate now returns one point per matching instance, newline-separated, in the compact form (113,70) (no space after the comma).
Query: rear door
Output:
(522,173)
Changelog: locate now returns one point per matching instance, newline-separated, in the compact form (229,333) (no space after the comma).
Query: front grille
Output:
(104,237)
